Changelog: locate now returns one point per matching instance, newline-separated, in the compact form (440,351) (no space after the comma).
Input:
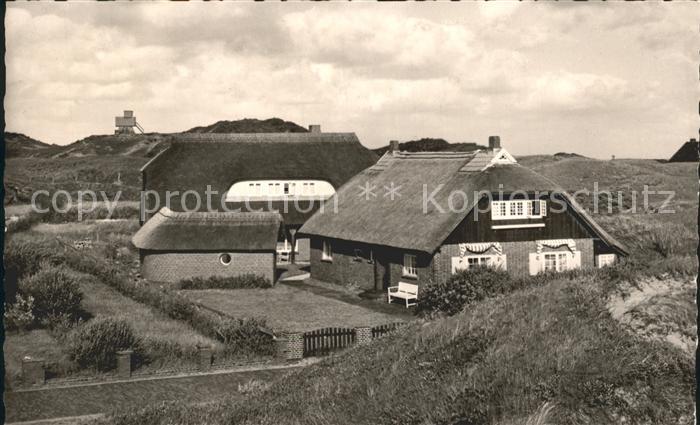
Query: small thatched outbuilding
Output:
(178,245)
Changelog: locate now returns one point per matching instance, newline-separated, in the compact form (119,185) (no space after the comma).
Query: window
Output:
(508,210)
(409,265)
(327,254)
(556,262)
(470,261)
(605,260)
(225,259)
(286,188)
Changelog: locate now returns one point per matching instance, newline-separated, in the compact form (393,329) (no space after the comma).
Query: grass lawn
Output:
(37,343)
(289,309)
(550,354)
(100,299)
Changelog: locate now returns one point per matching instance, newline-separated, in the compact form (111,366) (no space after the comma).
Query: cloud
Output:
(462,71)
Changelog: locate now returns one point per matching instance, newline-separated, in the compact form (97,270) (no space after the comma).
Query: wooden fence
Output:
(382,330)
(323,341)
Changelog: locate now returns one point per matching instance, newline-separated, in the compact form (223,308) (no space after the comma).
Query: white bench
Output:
(406,291)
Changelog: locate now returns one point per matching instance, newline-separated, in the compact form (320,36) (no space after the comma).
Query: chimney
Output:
(394,146)
(314,128)
(494,142)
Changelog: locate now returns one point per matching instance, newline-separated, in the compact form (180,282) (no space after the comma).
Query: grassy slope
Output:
(552,353)
(552,350)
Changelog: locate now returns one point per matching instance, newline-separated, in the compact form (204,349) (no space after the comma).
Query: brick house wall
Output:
(517,257)
(345,269)
(163,266)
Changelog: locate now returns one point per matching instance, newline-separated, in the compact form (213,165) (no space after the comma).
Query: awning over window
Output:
(479,248)
(570,244)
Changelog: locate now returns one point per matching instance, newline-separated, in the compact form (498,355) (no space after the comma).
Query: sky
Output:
(596,79)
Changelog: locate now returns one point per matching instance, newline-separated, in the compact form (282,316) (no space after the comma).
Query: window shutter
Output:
(535,264)
(543,208)
(536,207)
(576,260)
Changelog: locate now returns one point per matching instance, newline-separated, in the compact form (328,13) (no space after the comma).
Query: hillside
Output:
(20,145)
(551,354)
(251,125)
(431,144)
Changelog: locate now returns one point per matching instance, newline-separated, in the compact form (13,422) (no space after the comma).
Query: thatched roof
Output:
(403,222)
(689,152)
(196,160)
(207,231)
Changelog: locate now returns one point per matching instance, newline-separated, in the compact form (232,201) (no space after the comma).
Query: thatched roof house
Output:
(443,198)
(176,245)
(195,161)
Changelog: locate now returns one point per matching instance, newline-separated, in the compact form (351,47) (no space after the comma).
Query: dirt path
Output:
(92,399)
(657,309)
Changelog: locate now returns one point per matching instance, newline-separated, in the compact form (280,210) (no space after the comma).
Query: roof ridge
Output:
(220,215)
(264,137)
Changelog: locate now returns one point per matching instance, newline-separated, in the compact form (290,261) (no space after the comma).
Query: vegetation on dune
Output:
(225,282)
(551,351)
(96,343)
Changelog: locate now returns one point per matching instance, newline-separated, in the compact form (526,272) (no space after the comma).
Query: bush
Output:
(20,316)
(221,282)
(56,294)
(463,288)
(96,343)
(24,258)
(245,336)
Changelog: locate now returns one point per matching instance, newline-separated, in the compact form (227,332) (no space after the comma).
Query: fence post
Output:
(33,371)
(124,363)
(281,346)
(205,357)
(363,335)
(295,346)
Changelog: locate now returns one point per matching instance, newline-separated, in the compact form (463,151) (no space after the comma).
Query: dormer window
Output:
(513,210)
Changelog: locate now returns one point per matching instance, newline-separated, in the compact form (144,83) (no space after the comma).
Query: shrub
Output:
(96,343)
(463,288)
(245,336)
(20,316)
(25,257)
(222,282)
(56,294)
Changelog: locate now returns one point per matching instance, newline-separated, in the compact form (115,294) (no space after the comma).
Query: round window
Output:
(225,259)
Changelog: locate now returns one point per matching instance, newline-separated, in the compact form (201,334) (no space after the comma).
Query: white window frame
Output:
(489,260)
(410,268)
(603,260)
(561,261)
(517,209)
(327,253)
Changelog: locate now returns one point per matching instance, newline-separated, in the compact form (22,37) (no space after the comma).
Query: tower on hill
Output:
(126,124)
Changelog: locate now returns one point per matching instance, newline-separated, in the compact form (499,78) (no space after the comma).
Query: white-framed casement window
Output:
(603,260)
(555,261)
(509,210)
(409,265)
(471,261)
(327,254)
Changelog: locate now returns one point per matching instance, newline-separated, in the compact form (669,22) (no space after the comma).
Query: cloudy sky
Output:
(597,79)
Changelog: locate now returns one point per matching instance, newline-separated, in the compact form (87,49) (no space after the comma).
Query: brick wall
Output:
(347,269)
(517,257)
(174,266)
